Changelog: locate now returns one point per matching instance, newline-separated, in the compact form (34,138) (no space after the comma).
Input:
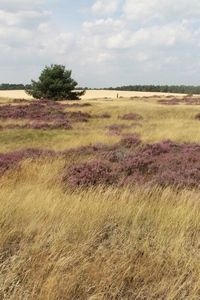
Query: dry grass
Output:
(159,122)
(96,244)
(101,243)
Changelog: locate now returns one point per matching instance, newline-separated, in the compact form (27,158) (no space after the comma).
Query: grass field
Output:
(99,240)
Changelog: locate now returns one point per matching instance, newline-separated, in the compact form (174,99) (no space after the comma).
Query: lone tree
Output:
(55,83)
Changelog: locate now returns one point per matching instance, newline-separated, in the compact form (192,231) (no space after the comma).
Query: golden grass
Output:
(98,243)
(159,122)
(101,243)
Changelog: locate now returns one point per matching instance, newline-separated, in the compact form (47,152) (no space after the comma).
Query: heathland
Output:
(99,198)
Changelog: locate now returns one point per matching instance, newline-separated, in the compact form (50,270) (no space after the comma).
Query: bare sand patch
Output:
(92,94)
(15,94)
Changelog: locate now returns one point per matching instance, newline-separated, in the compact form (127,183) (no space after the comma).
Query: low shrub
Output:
(197,117)
(89,174)
(131,116)
(165,163)
(116,129)
(40,125)
(130,141)
(41,111)
(43,114)
(176,101)
(12,159)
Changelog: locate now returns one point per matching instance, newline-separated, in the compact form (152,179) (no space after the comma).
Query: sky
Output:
(104,42)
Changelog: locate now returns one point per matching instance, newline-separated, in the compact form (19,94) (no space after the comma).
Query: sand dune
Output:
(90,94)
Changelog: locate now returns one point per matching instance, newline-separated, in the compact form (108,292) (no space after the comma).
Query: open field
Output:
(103,205)
(91,94)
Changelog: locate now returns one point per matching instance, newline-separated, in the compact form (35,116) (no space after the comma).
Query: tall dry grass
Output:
(102,243)
(159,122)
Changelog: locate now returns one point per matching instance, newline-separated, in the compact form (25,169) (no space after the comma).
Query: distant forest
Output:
(182,89)
(185,89)
(11,86)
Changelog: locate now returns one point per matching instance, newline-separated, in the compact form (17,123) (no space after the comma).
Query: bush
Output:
(89,174)
(12,159)
(130,141)
(43,115)
(131,116)
(130,162)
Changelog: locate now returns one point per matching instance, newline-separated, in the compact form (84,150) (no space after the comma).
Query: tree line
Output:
(183,89)
(12,86)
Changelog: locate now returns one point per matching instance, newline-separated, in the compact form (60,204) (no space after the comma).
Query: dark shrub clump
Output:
(40,125)
(176,101)
(129,162)
(130,141)
(116,129)
(89,174)
(197,117)
(12,159)
(131,116)
(42,114)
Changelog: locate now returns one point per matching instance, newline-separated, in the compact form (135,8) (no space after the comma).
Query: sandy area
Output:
(19,94)
(93,94)
(90,94)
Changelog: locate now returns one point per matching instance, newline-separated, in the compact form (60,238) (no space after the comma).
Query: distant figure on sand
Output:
(117,95)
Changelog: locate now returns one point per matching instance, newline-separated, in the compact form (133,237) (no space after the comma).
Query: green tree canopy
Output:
(55,83)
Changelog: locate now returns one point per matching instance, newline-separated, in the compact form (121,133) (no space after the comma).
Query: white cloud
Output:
(100,26)
(22,17)
(13,5)
(29,35)
(144,10)
(105,7)
(118,41)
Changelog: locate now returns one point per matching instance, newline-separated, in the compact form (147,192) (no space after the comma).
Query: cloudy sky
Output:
(104,42)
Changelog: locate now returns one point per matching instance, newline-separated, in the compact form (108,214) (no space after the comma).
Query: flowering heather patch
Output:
(91,150)
(33,111)
(131,116)
(166,163)
(40,125)
(129,162)
(12,159)
(116,129)
(177,101)
(44,114)
(131,140)
(78,116)
(89,174)
(102,116)
(172,101)
(114,156)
